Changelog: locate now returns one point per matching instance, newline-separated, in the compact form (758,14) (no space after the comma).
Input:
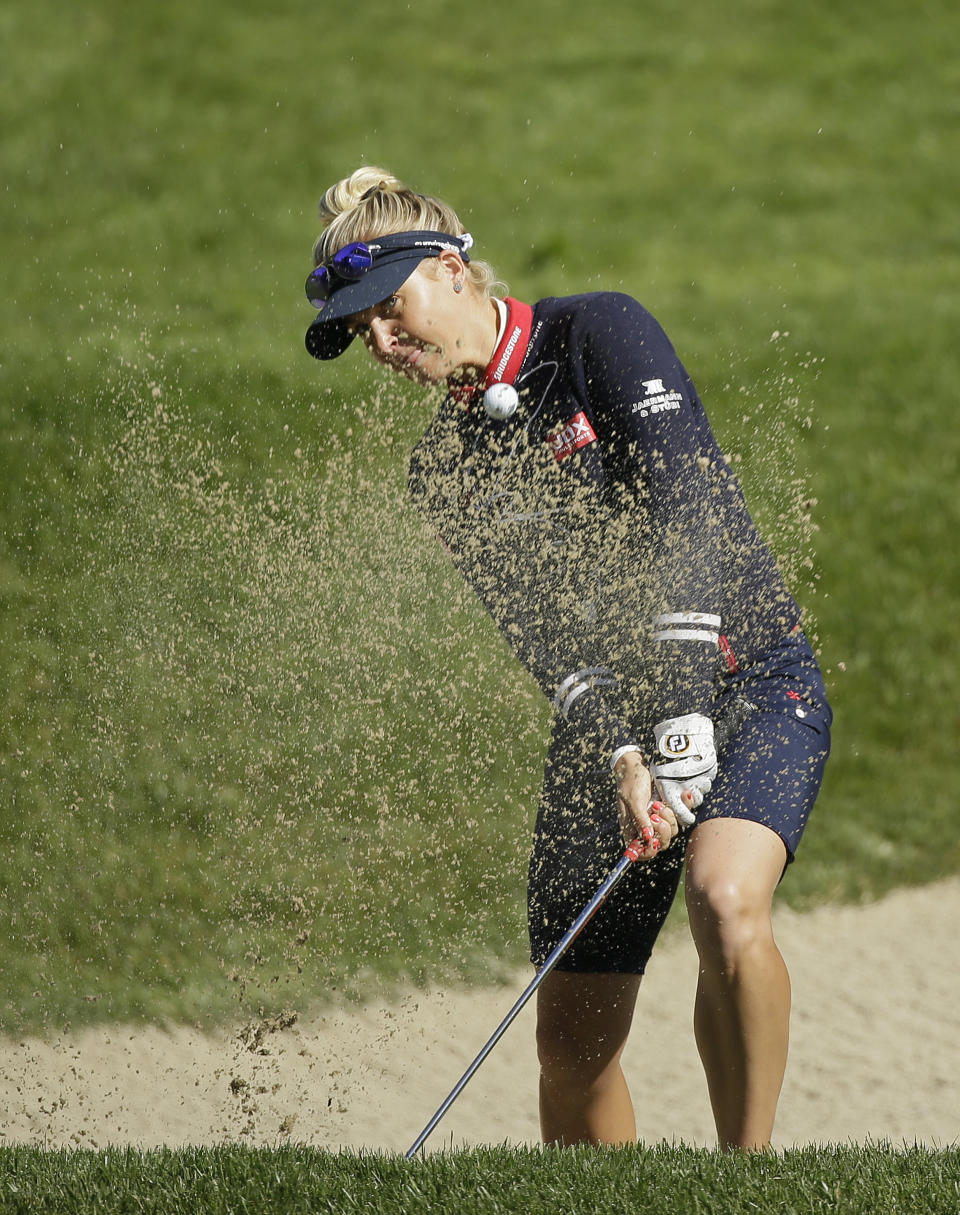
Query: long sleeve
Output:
(659,450)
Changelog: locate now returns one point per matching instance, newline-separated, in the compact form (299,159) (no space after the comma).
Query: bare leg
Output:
(582,1026)
(742,1015)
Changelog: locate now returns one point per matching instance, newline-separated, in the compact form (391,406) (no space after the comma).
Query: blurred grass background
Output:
(250,753)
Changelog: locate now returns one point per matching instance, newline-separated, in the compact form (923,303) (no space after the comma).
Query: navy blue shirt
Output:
(601,525)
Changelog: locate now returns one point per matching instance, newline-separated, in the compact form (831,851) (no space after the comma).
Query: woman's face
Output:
(419,330)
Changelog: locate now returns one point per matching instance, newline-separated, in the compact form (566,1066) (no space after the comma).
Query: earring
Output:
(458,287)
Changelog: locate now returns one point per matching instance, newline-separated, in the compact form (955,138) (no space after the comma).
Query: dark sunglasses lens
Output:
(352,261)
(318,286)
(349,263)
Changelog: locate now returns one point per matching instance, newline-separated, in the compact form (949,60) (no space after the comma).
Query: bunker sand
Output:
(875,1056)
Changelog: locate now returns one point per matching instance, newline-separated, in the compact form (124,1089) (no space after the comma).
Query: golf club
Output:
(725,729)
(631,853)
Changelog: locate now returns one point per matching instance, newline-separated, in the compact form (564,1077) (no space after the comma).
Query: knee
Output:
(582,1026)
(561,1048)
(728,920)
(571,1053)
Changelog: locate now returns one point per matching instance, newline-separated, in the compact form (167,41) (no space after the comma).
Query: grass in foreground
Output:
(492,1181)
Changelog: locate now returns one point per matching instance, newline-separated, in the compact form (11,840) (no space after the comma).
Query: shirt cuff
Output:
(621,751)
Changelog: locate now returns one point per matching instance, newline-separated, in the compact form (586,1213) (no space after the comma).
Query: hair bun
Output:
(353,191)
(381,185)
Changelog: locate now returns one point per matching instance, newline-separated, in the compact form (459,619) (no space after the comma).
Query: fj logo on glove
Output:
(675,744)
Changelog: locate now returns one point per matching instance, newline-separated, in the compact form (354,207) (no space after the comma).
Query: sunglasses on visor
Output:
(349,264)
(353,261)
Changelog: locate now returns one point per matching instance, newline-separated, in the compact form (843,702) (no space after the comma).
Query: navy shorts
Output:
(770,772)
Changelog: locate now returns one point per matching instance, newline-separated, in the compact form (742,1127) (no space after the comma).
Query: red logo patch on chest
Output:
(576,434)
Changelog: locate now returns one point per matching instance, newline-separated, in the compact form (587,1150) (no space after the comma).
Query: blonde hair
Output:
(372,202)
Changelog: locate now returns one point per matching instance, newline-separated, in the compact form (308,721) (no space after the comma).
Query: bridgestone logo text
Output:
(508,350)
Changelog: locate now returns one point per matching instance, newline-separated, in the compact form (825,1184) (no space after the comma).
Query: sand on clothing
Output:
(875,1056)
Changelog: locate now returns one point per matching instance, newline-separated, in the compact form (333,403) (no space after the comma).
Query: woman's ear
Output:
(453,265)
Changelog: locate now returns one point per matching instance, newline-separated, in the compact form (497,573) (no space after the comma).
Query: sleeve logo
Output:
(657,399)
(576,434)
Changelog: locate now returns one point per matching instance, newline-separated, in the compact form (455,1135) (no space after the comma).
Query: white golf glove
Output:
(686,762)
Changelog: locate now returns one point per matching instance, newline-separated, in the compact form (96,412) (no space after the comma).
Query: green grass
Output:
(249,751)
(487,1181)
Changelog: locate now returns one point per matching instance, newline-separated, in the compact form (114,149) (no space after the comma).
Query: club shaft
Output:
(614,876)
(731,721)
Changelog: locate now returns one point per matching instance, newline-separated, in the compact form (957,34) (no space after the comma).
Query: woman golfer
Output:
(572,475)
